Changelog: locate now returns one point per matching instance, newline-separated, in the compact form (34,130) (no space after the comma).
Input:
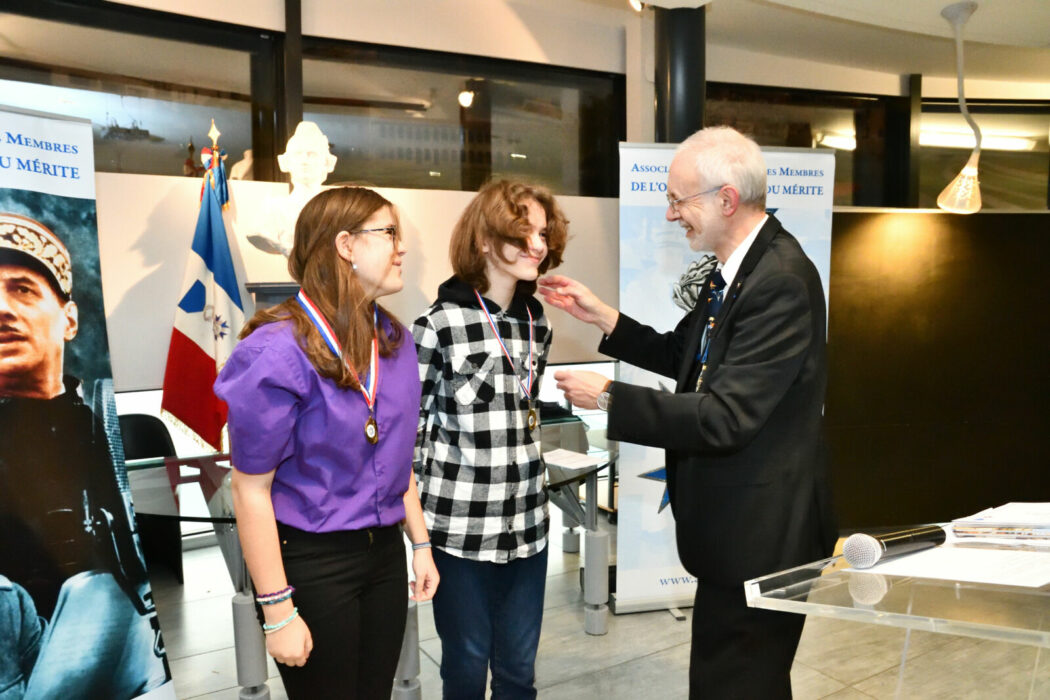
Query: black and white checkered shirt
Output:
(481,479)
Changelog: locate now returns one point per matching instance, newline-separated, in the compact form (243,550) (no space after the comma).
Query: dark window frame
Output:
(950,105)
(266,51)
(387,56)
(882,156)
(262,47)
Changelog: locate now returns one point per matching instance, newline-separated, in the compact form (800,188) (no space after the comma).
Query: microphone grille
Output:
(862,551)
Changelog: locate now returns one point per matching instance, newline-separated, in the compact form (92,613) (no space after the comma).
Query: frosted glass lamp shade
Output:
(963,194)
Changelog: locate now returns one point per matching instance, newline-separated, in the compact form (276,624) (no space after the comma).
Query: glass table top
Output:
(198,488)
(828,588)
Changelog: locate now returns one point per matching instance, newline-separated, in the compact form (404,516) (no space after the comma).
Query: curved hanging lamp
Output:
(963,194)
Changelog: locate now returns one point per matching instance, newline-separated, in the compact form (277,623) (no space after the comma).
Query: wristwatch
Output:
(605,398)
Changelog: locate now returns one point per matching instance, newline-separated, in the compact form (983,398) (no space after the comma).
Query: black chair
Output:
(147,436)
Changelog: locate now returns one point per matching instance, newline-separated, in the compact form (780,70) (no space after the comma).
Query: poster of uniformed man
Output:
(76,613)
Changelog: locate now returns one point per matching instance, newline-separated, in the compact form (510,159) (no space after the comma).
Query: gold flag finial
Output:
(214,134)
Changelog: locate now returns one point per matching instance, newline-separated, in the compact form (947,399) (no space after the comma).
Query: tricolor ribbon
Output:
(328,334)
(526,389)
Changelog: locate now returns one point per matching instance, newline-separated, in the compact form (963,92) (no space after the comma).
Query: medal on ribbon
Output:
(318,319)
(533,419)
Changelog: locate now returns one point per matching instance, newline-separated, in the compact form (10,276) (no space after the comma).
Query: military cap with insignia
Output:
(28,242)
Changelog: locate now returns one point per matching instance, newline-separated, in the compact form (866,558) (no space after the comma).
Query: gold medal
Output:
(371,391)
(526,388)
(700,379)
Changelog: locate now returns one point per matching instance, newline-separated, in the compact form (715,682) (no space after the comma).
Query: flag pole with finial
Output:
(215,170)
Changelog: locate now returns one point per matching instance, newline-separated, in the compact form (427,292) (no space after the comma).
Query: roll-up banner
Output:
(77,618)
(660,278)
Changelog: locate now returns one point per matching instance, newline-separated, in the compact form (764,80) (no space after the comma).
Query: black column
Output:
(903,119)
(264,79)
(870,160)
(291,107)
(476,127)
(915,126)
(680,73)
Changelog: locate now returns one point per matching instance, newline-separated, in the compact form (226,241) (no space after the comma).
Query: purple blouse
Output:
(283,415)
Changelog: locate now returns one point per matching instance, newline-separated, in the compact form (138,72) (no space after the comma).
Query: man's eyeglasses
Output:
(390,232)
(673,203)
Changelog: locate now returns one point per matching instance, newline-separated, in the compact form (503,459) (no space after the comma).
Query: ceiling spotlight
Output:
(466,98)
(636,5)
(963,194)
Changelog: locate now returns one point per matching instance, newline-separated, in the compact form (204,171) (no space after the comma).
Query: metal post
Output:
(406,678)
(249,649)
(249,644)
(596,567)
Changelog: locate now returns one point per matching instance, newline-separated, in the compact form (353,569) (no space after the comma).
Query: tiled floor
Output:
(644,655)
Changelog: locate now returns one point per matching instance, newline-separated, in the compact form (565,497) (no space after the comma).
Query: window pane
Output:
(1010,179)
(453,127)
(148,101)
(778,117)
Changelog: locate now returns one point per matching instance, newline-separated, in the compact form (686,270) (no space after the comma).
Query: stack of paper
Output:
(1011,566)
(576,461)
(1027,521)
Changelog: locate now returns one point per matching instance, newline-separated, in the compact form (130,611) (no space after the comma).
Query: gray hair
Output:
(723,156)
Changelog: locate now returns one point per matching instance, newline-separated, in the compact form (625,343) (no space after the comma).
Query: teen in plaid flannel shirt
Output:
(481,477)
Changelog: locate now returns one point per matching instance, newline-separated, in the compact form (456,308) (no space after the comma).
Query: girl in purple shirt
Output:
(323,395)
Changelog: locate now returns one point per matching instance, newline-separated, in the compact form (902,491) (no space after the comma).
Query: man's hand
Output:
(581,388)
(571,296)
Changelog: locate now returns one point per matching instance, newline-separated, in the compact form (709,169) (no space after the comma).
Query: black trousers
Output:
(351,588)
(740,652)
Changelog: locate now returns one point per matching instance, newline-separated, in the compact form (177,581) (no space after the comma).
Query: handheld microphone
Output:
(864,551)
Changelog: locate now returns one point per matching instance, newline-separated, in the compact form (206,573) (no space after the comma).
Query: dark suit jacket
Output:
(746,464)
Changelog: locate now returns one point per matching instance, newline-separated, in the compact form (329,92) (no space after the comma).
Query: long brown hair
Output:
(499,214)
(330,282)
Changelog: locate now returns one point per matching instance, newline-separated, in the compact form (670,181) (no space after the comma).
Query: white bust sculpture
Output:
(308,162)
(242,169)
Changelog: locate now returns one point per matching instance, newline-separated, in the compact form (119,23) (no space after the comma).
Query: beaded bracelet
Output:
(276,597)
(270,629)
(274,601)
(420,545)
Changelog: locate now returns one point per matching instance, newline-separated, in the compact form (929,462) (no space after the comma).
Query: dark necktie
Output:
(716,288)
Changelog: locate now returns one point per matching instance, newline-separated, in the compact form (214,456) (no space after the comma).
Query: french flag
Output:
(208,317)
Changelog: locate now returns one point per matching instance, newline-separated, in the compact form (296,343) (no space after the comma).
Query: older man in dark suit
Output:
(745,454)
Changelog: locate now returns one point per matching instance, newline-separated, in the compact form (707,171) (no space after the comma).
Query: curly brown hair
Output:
(330,282)
(499,214)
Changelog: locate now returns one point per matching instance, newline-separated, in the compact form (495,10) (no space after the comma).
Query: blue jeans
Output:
(488,613)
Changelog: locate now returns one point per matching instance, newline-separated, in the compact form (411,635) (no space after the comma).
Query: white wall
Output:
(146,223)
(561,32)
(264,14)
(728,64)
(145,226)
(985,89)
